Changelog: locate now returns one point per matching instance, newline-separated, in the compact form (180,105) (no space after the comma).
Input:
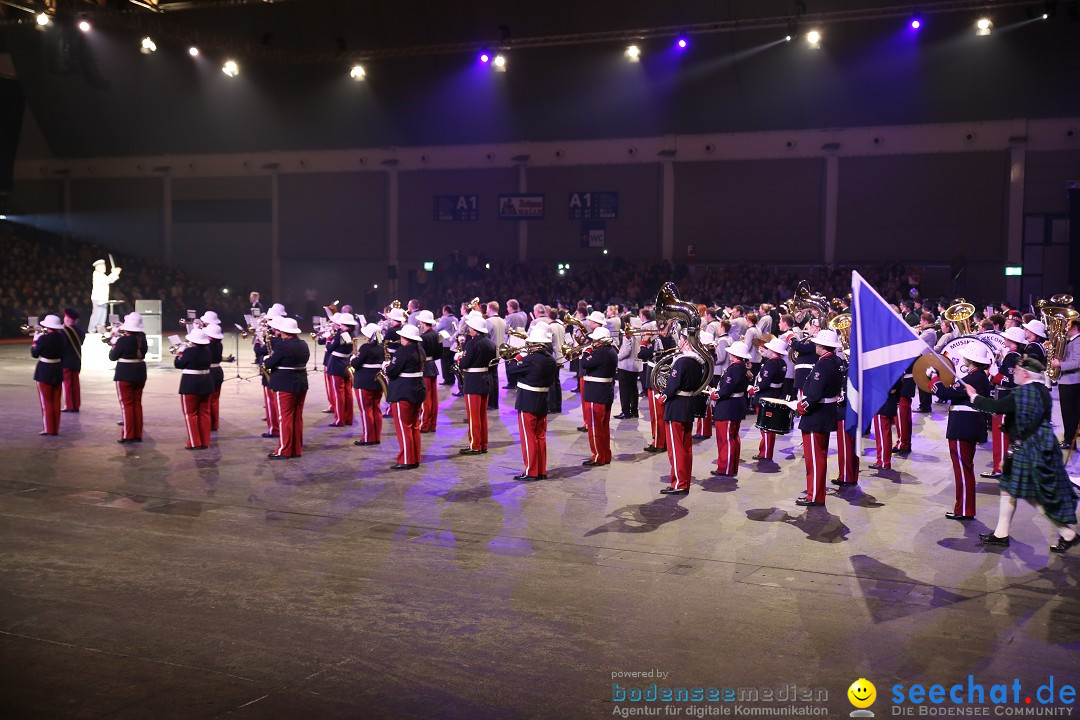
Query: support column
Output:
(392,231)
(667,210)
(1014,218)
(275,241)
(832,204)
(522,225)
(166,219)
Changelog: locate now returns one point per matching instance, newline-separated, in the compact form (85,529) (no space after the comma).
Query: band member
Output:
(967,426)
(770,384)
(533,370)
(475,359)
(367,364)
(208,318)
(629,369)
(253,301)
(847,457)
(1035,332)
(393,320)
(925,327)
(788,333)
(599,362)
(99,294)
(48,348)
(196,387)
(445,328)
(1069,384)
(405,393)
(262,344)
(558,337)
(650,346)
(287,364)
(817,411)
(903,413)
(71,361)
(431,346)
(128,352)
(729,409)
(883,425)
(1003,382)
(703,422)
(217,375)
(592,321)
(339,346)
(678,399)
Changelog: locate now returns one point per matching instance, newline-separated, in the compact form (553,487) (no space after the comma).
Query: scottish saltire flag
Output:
(881,347)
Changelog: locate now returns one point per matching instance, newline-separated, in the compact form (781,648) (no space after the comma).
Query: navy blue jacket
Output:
(821,393)
(536,370)
(288,352)
(432,347)
(261,351)
(216,373)
(805,354)
(49,346)
(338,352)
(366,365)
(1005,379)
(477,355)
(966,423)
(907,383)
(770,379)
(685,378)
(600,363)
(129,346)
(408,360)
(196,360)
(730,403)
(72,358)
(1035,350)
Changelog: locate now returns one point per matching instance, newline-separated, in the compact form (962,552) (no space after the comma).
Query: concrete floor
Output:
(144,581)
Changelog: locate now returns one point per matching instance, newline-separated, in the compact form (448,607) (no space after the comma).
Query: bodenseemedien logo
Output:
(862,694)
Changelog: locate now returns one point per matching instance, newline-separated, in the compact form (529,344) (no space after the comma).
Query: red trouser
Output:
(407,428)
(1000,440)
(903,425)
(883,440)
(429,411)
(341,400)
(130,397)
(272,425)
(370,414)
(196,409)
(329,387)
(72,398)
(476,412)
(728,447)
(767,445)
(846,456)
(49,397)
(703,426)
(215,408)
(290,407)
(581,394)
(815,455)
(533,443)
(680,454)
(599,424)
(656,420)
(962,454)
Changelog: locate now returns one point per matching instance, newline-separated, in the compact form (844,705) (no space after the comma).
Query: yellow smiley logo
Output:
(862,693)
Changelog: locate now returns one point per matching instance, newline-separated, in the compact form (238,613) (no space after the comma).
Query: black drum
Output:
(775,418)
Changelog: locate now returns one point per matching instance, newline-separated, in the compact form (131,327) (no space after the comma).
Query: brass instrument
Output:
(332,308)
(670,307)
(841,325)
(635,332)
(1061,300)
(180,348)
(518,333)
(804,300)
(111,333)
(28,329)
(960,314)
(1056,318)
(380,376)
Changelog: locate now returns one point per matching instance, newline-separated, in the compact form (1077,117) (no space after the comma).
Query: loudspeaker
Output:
(391,272)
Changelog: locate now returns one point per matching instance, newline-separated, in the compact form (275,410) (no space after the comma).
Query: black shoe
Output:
(336,425)
(717,473)
(990,474)
(673,491)
(1064,446)
(327,412)
(386,415)
(654,449)
(992,539)
(954,516)
(1062,544)
(590,463)
(122,440)
(901,451)
(541,477)
(841,483)
(270,435)
(121,423)
(66,410)
(275,456)
(922,410)
(759,457)
(457,394)
(803,502)
(361,443)
(582,428)
(621,416)
(702,437)
(469,451)
(400,466)
(878,466)
(523,476)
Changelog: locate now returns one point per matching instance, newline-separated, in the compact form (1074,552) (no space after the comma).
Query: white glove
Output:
(931,373)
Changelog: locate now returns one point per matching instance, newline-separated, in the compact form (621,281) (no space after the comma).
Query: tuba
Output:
(959,314)
(1057,319)
(670,307)
(804,300)
(841,325)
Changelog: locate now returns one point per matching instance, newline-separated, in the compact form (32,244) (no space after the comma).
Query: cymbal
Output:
(760,342)
(944,369)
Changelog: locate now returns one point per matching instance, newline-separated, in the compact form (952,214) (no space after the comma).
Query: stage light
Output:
(787,38)
(357,73)
(193,51)
(230,68)
(84,26)
(42,19)
(605,251)
(375,286)
(814,38)
(633,53)
(487,266)
(3,217)
(561,271)
(560,266)
(484,58)
(682,43)
(916,24)
(500,63)
(224,291)
(567,266)
(147,46)
(1046,16)
(983,26)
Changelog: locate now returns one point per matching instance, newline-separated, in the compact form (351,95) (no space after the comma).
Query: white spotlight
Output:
(230,68)
(42,19)
(983,26)
(147,46)
(814,38)
(633,53)
(787,38)
(84,26)
(193,51)
(357,73)
(500,63)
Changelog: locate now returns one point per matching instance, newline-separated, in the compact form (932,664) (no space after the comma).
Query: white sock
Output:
(1006,508)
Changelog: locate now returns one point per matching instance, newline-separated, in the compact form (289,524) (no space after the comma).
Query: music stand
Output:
(236,358)
(316,327)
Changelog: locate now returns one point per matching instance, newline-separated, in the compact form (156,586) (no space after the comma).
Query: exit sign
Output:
(1013,270)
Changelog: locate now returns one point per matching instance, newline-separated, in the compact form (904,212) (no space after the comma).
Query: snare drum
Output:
(775,418)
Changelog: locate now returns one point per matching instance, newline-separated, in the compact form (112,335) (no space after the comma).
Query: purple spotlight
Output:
(484,57)
(916,24)
(682,43)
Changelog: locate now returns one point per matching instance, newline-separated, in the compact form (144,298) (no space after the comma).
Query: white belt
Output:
(523,386)
(286,367)
(373,366)
(803,365)
(906,376)
(685,393)
(196,372)
(776,385)
(483,370)
(650,363)
(410,375)
(215,365)
(128,360)
(51,361)
(593,378)
(826,401)
(733,395)
(963,408)
(335,353)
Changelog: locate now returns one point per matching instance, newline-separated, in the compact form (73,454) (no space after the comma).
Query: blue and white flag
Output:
(881,347)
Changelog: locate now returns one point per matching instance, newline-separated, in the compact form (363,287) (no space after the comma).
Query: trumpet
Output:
(179,348)
(28,329)
(642,332)
(111,333)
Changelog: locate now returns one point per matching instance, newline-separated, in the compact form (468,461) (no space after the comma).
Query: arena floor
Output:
(145,581)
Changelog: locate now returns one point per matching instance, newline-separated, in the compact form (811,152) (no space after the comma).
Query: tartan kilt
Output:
(1038,474)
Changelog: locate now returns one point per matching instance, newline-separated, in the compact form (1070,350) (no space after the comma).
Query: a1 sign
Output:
(456,208)
(594,205)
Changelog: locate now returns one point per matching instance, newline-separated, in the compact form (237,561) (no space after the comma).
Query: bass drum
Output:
(951,352)
(995,342)
(774,417)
